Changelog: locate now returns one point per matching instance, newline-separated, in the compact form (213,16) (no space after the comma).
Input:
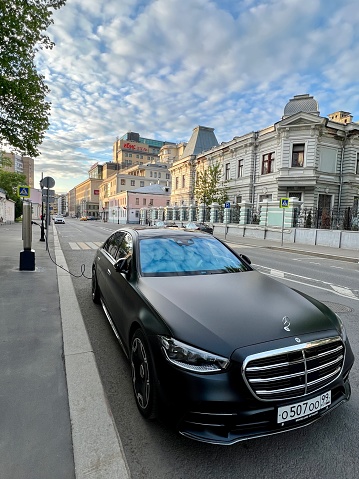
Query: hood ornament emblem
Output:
(286,323)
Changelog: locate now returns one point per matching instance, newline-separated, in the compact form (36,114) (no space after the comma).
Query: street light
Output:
(118,212)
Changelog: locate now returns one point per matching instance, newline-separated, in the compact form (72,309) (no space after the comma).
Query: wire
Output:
(83,267)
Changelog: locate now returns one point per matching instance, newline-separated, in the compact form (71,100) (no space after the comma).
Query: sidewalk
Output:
(55,421)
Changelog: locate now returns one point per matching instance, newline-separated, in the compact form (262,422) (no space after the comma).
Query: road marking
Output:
(344,291)
(278,274)
(337,267)
(80,245)
(92,245)
(314,283)
(83,245)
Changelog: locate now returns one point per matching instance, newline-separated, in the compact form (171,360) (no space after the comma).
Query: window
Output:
(240,168)
(151,202)
(268,163)
(298,155)
(113,243)
(144,202)
(132,182)
(357,167)
(155,174)
(168,176)
(167,202)
(159,175)
(265,197)
(177,182)
(123,181)
(183,181)
(142,183)
(295,194)
(151,174)
(137,201)
(227,172)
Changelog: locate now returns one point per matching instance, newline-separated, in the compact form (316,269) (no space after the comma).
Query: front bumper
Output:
(220,409)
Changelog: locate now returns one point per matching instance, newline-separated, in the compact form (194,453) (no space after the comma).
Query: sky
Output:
(162,67)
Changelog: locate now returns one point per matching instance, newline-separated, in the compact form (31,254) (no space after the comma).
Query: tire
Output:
(143,378)
(95,289)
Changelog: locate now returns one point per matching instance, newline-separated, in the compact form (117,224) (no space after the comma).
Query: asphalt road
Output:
(327,449)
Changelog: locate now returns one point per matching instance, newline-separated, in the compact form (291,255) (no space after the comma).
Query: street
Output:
(326,449)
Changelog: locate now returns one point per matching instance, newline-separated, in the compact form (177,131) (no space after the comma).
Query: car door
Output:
(105,261)
(117,283)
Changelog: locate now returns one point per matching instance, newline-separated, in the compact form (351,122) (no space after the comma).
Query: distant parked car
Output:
(166,224)
(199,226)
(59,220)
(92,218)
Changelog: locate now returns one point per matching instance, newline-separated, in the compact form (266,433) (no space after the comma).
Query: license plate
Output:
(301,410)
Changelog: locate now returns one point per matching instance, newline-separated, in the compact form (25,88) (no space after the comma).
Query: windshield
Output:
(187,256)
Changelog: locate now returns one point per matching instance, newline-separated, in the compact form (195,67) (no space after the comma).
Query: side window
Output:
(113,243)
(126,247)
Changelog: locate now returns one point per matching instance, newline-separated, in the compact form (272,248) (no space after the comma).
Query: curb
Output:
(97,447)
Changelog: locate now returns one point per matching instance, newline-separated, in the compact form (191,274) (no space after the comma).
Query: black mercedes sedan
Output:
(218,350)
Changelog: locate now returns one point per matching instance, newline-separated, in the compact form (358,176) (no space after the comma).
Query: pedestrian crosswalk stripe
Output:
(83,245)
(91,245)
(80,245)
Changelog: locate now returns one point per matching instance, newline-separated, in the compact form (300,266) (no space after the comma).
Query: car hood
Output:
(223,312)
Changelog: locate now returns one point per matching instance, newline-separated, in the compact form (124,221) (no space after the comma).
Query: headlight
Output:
(190,358)
(342,330)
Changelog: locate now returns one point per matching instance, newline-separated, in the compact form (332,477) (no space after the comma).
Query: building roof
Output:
(202,139)
(305,103)
(154,189)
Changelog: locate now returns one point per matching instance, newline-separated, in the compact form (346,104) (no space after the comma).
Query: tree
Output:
(9,182)
(4,161)
(208,186)
(23,109)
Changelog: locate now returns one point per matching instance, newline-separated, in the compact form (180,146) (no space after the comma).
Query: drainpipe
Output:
(341,173)
(254,154)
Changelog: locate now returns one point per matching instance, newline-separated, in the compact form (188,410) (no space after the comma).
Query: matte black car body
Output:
(272,346)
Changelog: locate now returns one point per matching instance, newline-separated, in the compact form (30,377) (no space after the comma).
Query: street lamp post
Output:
(118,212)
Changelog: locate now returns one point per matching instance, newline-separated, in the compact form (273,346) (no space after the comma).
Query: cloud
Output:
(162,67)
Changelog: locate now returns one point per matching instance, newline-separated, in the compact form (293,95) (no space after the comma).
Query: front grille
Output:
(294,371)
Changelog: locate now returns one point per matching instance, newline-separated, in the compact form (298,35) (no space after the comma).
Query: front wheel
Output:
(143,376)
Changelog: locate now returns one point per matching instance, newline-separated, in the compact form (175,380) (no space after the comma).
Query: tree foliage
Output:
(4,161)
(10,181)
(208,186)
(24,110)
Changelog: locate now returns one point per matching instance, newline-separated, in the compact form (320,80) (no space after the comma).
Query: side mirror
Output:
(245,258)
(122,265)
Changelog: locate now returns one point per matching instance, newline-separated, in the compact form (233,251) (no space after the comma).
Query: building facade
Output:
(304,156)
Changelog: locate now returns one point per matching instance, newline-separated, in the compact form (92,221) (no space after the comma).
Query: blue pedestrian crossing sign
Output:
(284,203)
(23,191)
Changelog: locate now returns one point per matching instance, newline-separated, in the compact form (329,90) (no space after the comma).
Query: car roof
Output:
(148,232)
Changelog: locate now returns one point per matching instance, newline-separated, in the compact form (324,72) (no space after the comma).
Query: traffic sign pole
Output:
(42,237)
